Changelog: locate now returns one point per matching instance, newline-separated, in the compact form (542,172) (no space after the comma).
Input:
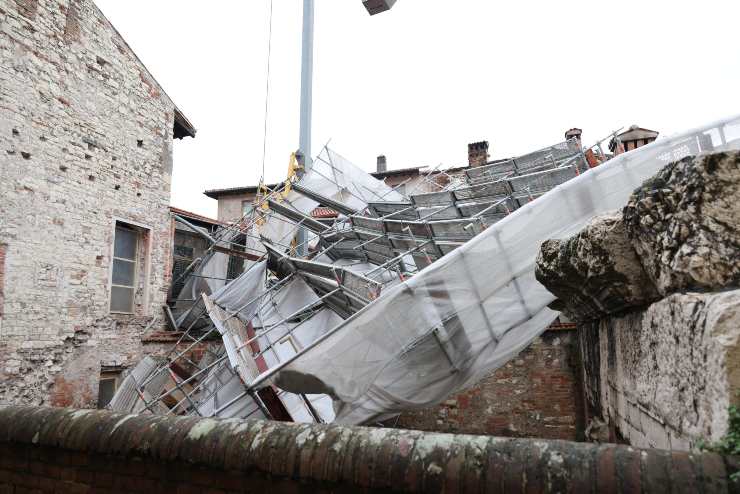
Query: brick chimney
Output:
(574,132)
(382,164)
(478,153)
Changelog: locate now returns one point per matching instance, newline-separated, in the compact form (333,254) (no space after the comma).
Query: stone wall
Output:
(85,140)
(3,248)
(656,290)
(537,394)
(66,451)
(667,374)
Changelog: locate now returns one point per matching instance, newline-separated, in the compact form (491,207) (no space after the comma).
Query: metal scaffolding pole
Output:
(306,97)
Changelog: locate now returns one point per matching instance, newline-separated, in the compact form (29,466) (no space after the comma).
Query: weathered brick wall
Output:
(85,139)
(537,394)
(66,451)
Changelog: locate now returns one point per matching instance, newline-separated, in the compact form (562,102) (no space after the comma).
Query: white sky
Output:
(420,82)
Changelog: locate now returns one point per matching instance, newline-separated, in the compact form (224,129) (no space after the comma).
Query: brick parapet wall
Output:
(67,451)
(536,394)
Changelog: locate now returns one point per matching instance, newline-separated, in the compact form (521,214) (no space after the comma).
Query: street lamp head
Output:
(377,6)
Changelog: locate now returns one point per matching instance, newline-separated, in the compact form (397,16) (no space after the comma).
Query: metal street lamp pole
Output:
(304,147)
(306,83)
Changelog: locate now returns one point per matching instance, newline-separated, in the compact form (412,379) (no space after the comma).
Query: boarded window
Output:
(125,268)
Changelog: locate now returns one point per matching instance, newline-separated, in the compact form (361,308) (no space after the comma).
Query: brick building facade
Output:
(86,139)
(537,394)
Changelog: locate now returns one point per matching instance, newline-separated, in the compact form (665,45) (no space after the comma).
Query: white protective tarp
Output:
(248,300)
(222,394)
(235,305)
(476,308)
(334,177)
(208,277)
(127,398)
(243,296)
(282,339)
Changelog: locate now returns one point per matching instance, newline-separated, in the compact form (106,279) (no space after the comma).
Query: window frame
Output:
(142,267)
(114,376)
(247,203)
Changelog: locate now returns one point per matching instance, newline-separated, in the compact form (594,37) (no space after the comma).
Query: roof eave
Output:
(183,127)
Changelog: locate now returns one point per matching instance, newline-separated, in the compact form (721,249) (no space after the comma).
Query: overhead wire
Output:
(267,93)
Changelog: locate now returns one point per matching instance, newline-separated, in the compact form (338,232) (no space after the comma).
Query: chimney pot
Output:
(574,133)
(478,153)
(382,164)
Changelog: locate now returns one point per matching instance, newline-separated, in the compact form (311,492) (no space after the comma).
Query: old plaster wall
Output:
(85,139)
(230,207)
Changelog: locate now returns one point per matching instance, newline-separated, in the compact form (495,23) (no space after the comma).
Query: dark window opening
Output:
(107,387)
(236,264)
(183,257)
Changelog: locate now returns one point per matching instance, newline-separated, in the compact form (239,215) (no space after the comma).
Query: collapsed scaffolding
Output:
(396,303)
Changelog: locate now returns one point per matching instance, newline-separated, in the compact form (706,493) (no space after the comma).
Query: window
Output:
(125,267)
(247,208)
(107,387)
(182,259)
(236,264)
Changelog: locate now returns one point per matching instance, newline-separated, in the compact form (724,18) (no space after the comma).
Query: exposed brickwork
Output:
(66,451)
(2,281)
(27,8)
(478,153)
(537,394)
(72,23)
(74,102)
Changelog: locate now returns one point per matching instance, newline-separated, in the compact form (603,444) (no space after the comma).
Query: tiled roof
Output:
(401,171)
(323,212)
(195,216)
(235,191)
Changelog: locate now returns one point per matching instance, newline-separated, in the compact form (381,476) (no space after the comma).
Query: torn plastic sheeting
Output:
(333,176)
(127,397)
(486,287)
(222,386)
(209,277)
(242,296)
(272,328)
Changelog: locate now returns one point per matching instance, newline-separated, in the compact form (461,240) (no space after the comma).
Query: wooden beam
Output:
(237,253)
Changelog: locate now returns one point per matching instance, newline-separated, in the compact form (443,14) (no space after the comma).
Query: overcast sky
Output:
(421,81)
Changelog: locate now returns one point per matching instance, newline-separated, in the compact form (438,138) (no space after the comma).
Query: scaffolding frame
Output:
(390,240)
